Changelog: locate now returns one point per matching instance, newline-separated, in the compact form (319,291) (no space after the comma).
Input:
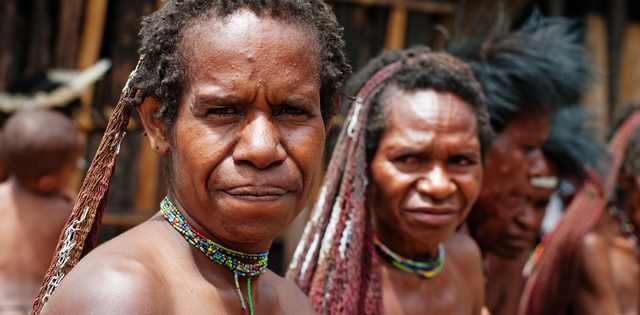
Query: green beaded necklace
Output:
(216,252)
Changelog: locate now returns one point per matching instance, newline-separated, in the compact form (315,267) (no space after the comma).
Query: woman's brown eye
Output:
(461,161)
(221,111)
(407,159)
(293,111)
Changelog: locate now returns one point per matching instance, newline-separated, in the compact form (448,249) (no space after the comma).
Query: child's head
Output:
(40,149)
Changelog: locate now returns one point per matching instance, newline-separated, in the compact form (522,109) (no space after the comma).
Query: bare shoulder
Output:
(465,258)
(593,243)
(463,250)
(595,293)
(116,278)
(291,299)
(594,258)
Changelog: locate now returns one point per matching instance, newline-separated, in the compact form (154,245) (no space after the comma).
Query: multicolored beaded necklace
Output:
(626,227)
(216,252)
(423,269)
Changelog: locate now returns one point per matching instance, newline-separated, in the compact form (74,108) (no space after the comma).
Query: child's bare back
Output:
(29,232)
(40,148)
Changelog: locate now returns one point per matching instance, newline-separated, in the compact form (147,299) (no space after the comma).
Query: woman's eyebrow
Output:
(410,150)
(220,100)
(300,101)
(474,155)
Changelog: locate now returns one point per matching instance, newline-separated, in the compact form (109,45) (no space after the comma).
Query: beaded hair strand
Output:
(80,233)
(161,76)
(335,262)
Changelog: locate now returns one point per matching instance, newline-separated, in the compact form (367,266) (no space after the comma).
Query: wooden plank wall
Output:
(596,97)
(630,72)
(121,43)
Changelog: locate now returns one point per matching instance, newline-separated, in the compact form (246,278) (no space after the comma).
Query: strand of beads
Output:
(626,227)
(423,269)
(222,255)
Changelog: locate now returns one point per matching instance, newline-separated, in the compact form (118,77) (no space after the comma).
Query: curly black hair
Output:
(539,68)
(631,160)
(570,144)
(438,71)
(163,72)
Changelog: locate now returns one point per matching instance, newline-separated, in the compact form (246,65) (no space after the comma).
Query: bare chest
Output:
(503,292)
(198,294)
(403,293)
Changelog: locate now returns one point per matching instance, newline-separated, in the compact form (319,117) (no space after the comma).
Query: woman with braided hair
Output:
(237,97)
(590,263)
(404,175)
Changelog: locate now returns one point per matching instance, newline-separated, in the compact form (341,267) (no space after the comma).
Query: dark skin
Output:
(505,280)
(609,270)
(504,284)
(503,220)
(245,151)
(426,174)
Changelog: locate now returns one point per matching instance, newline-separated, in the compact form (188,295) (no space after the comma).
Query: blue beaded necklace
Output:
(423,269)
(626,227)
(216,252)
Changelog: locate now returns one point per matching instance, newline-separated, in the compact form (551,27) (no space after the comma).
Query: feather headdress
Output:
(541,66)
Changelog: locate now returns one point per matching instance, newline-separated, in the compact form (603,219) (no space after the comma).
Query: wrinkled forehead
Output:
(428,106)
(247,34)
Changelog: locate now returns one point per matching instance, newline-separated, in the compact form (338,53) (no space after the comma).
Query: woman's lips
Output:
(257,193)
(433,216)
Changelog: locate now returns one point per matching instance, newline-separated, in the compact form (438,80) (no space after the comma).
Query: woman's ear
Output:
(155,128)
(46,183)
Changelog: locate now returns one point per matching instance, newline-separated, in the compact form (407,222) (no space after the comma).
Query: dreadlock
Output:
(630,162)
(335,263)
(440,72)
(540,67)
(570,145)
(163,72)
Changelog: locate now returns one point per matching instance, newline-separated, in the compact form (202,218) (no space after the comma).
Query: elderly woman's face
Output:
(427,171)
(248,141)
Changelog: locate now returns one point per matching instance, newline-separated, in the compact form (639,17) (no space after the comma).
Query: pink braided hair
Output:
(335,262)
